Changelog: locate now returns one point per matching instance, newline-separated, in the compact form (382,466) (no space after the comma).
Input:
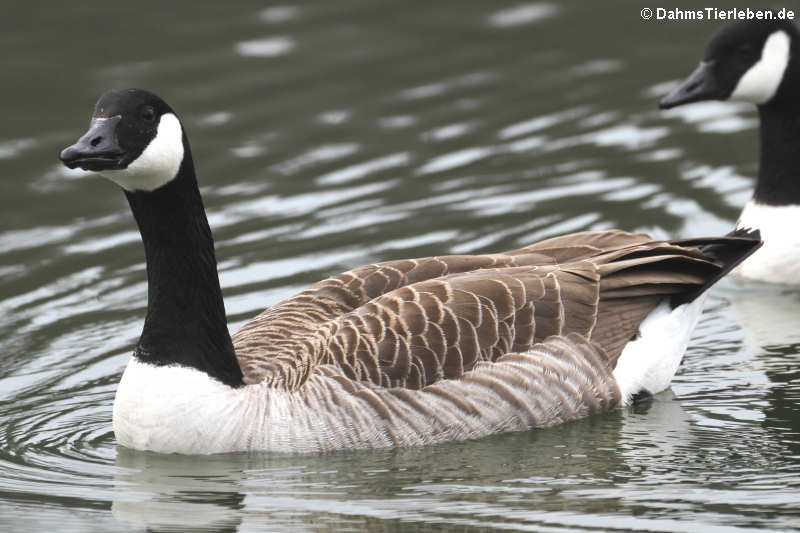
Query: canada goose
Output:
(759,62)
(391,354)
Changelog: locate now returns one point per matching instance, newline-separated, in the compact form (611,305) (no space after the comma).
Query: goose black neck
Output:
(779,164)
(185,323)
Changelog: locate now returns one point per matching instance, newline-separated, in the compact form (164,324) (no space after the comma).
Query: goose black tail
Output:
(728,251)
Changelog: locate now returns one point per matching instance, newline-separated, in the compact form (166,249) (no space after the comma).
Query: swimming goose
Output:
(759,62)
(399,353)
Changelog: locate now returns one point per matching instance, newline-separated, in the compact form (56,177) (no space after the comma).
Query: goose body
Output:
(399,353)
(758,61)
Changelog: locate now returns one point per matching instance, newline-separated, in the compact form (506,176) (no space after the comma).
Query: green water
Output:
(332,134)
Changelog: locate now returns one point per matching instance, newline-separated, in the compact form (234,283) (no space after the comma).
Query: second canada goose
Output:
(399,353)
(758,61)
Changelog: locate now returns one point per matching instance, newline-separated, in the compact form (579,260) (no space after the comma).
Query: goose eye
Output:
(148,113)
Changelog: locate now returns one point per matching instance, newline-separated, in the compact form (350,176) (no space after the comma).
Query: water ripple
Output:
(382,132)
(272,46)
(522,14)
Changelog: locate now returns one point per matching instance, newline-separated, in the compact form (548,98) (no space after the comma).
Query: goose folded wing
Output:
(274,330)
(439,329)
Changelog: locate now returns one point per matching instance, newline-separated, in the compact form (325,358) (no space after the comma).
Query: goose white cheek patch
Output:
(158,163)
(761,81)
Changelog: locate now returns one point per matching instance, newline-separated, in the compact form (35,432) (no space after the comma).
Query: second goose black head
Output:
(134,139)
(750,61)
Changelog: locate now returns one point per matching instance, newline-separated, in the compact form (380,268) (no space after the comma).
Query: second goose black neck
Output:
(779,161)
(186,323)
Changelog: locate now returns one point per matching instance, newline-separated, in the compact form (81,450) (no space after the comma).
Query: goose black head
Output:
(134,139)
(744,61)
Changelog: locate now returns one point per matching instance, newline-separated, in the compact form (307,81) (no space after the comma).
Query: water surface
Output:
(332,134)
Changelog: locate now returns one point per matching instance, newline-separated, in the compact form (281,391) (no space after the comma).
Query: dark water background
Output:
(330,134)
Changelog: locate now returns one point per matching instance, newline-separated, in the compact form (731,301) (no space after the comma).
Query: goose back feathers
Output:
(411,323)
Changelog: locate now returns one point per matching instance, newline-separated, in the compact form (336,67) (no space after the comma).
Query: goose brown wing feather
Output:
(577,246)
(467,319)
(438,329)
(412,323)
(342,293)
